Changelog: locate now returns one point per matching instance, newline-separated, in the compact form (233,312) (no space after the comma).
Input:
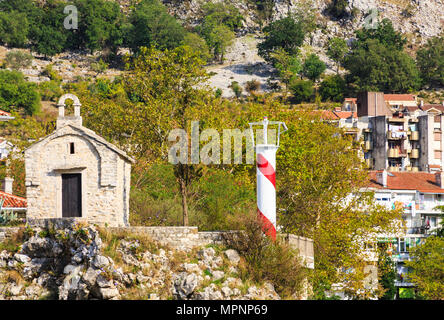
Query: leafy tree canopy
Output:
(286,33)
(16,94)
(384,33)
(332,88)
(152,25)
(430,59)
(375,67)
(313,67)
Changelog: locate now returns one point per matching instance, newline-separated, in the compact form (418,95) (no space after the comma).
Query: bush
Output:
(51,73)
(302,90)
(237,89)
(252,86)
(267,261)
(18,59)
(16,93)
(99,66)
(50,90)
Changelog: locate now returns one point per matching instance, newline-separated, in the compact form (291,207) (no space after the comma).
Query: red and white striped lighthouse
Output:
(266,177)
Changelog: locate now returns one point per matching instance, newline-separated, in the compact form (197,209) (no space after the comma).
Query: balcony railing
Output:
(414,135)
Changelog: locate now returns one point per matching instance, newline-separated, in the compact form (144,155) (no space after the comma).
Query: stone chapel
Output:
(74,173)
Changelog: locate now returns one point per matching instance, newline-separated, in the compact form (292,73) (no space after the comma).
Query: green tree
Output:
(332,88)
(47,33)
(302,90)
(387,275)
(336,50)
(286,33)
(165,91)
(198,44)
(152,25)
(426,268)
(373,66)
(313,67)
(288,66)
(100,25)
(384,33)
(16,94)
(14,28)
(430,59)
(219,39)
(222,13)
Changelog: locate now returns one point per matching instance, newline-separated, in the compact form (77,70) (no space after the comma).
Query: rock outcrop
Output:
(75,263)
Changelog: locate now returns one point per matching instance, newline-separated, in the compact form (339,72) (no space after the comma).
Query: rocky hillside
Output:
(417,19)
(83,262)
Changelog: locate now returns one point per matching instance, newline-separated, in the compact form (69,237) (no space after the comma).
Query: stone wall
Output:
(179,238)
(7,232)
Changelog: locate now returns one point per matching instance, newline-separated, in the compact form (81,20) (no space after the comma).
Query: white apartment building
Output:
(418,194)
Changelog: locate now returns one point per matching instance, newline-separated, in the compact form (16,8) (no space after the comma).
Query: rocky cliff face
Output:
(418,19)
(79,262)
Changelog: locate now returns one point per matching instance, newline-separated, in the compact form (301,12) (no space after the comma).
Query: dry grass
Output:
(13,243)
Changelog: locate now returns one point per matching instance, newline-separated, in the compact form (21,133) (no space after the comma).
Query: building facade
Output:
(398,134)
(75,173)
(417,194)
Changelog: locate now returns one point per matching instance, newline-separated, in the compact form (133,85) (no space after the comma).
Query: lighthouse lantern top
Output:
(266,123)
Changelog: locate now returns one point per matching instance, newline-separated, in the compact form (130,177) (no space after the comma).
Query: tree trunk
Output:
(183,191)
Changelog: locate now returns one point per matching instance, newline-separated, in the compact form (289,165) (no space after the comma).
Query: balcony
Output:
(368,145)
(394,119)
(414,154)
(396,135)
(414,135)
(394,169)
(393,153)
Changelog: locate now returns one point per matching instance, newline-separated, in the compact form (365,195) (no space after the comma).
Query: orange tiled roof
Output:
(427,107)
(12,201)
(325,114)
(346,114)
(4,113)
(399,97)
(351,99)
(421,181)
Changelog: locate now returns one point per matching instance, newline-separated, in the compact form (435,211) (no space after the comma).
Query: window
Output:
(71,148)
(438,154)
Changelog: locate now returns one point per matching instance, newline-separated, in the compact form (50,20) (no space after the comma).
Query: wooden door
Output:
(72,195)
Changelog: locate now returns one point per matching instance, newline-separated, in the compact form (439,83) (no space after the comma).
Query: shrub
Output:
(302,90)
(99,66)
(51,73)
(18,59)
(266,260)
(252,86)
(237,89)
(50,90)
